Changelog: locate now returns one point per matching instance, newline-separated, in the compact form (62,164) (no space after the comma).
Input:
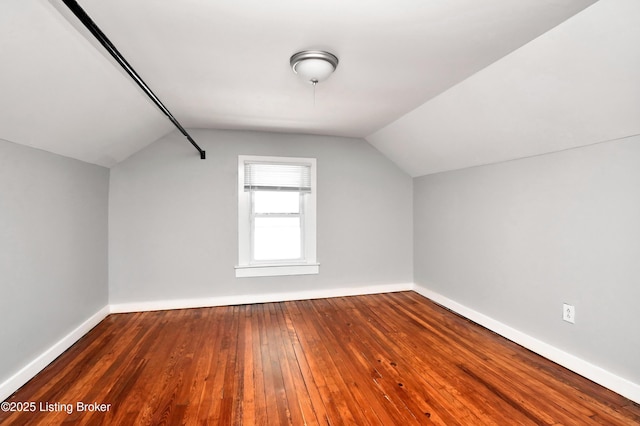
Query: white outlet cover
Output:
(569,313)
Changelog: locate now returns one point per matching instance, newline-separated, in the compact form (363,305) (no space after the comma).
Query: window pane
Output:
(276,202)
(277,238)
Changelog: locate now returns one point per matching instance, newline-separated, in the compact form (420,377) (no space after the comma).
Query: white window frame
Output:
(308,264)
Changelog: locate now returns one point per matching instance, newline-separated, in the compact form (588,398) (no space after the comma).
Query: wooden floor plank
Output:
(215,394)
(246,394)
(373,401)
(422,363)
(527,386)
(319,362)
(453,360)
(307,366)
(210,392)
(300,406)
(259,394)
(389,369)
(383,359)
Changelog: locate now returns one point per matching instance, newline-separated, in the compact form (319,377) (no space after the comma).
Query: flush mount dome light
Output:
(314,66)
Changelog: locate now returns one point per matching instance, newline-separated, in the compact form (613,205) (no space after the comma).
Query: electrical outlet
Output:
(569,313)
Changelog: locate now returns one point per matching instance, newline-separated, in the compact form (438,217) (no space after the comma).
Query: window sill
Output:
(277,270)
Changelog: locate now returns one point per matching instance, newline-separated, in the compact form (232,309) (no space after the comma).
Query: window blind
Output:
(277,177)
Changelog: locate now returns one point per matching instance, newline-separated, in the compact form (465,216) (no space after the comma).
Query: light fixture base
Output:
(314,65)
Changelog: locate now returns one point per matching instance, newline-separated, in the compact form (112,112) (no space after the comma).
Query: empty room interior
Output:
(320,212)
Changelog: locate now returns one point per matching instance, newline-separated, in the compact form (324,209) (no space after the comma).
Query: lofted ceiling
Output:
(433,84)
(576,85)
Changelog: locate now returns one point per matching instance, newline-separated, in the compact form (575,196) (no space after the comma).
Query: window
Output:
(276,216)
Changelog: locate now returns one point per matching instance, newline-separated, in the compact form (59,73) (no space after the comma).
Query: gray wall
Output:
(53,250)
(515,240)
(173,217)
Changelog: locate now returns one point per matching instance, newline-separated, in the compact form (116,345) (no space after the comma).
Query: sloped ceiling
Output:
(406,68)
(59,93)
(576,85)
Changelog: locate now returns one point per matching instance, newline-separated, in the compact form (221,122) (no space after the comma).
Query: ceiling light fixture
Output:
(314,66)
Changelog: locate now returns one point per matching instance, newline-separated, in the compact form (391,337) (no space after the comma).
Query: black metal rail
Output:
(104,41)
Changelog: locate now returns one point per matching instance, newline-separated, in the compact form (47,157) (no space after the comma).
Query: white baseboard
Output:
(14,382)
(9,386)
(592,372)
(161,305)
(611,381)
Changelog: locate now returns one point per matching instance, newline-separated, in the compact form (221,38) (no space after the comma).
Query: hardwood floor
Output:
(390,359)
